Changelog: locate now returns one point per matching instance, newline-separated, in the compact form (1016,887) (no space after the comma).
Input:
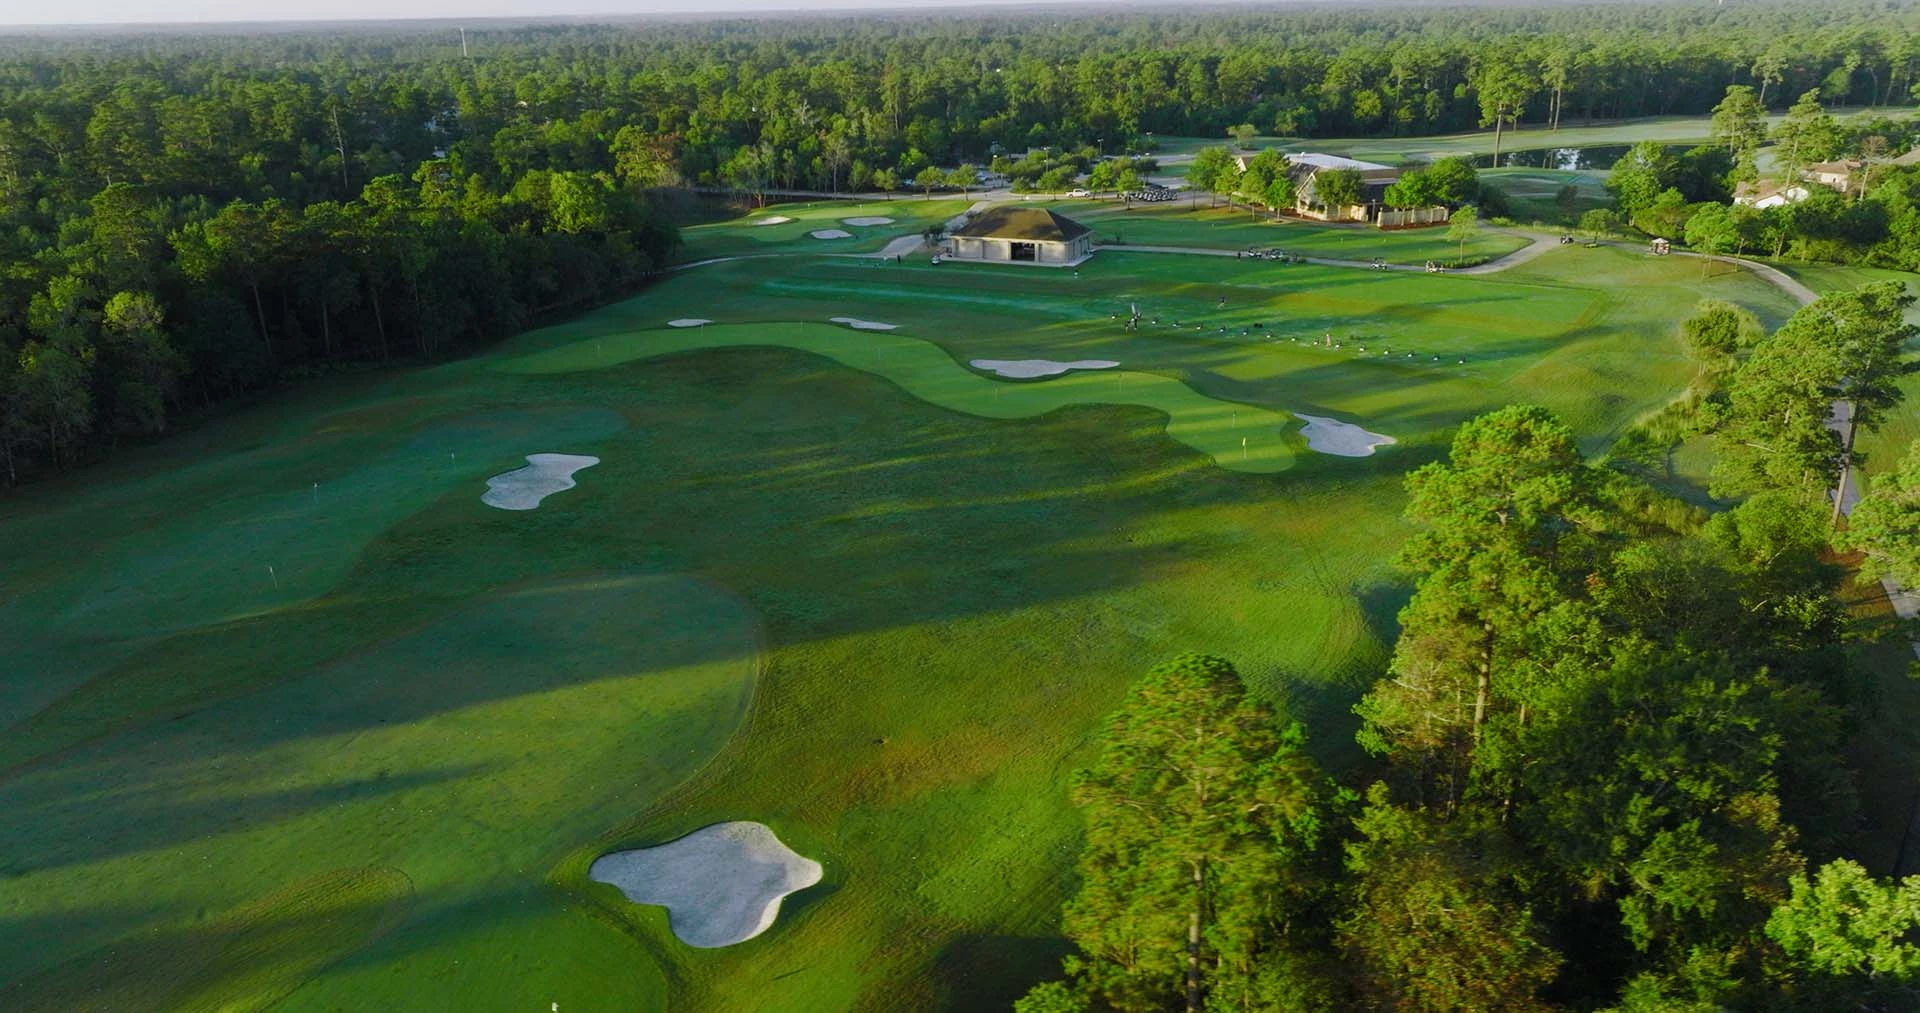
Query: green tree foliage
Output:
(1772,432)
(1266,181)
(1462,225)
(1337,188)
(1657,787)
(1718,331)
(1844,923)
(1511,525)
(964,178)
(1052,997)
(1740,121)
(1279,194)
(1209,167)
(1454,181)
(1712,230)
(1807,134)
(1638,179)
(1865,333)
(1750,586)
(1844,346)
(140,367)
(1205,831)
(1414,189)
(1886,523)
(1503,88)
(1436,924)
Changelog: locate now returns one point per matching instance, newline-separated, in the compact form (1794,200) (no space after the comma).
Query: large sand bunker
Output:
(1342,439)
(720,884)
(772,220)
(864,325)
(831,234)
(688,322)
(868,220)
(544,475)
(1027,369)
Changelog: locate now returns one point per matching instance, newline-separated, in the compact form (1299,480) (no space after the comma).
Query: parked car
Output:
(1078,193)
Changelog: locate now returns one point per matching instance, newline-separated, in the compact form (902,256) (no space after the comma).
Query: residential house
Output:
(1769,194)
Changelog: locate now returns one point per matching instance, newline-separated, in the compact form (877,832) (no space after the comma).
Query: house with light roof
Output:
(1305,169)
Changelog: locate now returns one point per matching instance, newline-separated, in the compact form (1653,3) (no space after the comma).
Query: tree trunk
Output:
(379,323)
(1193,938)
(260,313)
(1497,119)
(1483,686)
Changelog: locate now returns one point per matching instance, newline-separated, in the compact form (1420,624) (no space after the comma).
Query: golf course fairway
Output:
(1238,437)
(421,788)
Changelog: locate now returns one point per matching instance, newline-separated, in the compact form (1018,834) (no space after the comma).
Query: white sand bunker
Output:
(831,234)
(864,325)
(720,884)
(772,220)
(868,220)
(688,322)
(1342,439)
(1025,369)
(544,475)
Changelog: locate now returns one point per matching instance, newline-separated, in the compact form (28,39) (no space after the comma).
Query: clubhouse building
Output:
(1016,235)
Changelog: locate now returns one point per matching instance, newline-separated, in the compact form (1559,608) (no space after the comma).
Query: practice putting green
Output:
(1240,437)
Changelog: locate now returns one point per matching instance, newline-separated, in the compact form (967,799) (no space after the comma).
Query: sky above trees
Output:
(93,12)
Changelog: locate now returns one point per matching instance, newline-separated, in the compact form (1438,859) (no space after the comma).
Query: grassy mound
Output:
(1242,439)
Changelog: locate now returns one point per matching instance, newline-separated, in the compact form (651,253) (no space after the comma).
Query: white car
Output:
(1078,193)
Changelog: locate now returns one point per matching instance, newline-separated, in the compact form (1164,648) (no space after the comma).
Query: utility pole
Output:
(463,43)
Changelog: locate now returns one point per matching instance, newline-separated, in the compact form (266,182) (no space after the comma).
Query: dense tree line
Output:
(1609,770)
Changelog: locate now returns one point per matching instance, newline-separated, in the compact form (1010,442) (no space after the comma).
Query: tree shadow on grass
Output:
(837,504)
(987,972)
(250,956)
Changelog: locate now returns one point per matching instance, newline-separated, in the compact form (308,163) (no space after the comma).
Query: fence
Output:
(1411,217)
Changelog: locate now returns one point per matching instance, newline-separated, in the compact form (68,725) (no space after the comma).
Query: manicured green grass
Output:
(746,236)
(1394,150)
(467,754)
(1250,439)
(1181,223)
(1825,278)
(864,606)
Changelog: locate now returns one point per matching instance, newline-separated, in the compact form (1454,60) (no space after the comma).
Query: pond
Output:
(1600,156)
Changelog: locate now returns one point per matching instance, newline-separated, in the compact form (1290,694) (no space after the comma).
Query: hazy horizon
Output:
(85,13)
